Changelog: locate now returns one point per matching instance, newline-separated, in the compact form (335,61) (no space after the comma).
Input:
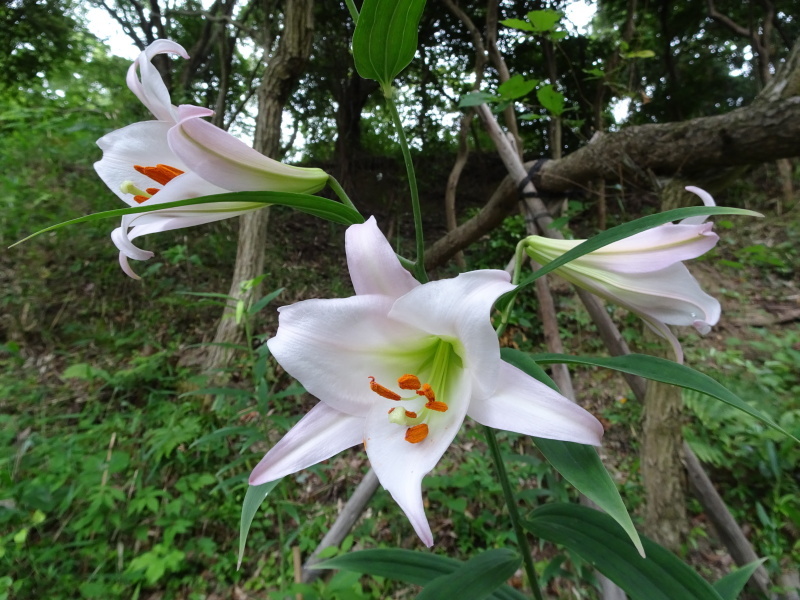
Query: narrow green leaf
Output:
(252,500)
(551,99)
(579,464)
(475,579)
(517,87)
(597,538)
(665,371)
(323,208)
(732,584)
(385,38)
(625,230)
(418,568)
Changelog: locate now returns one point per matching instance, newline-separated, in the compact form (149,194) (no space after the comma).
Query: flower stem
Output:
(522,541)
(519,255)
(340,193)
(419,268)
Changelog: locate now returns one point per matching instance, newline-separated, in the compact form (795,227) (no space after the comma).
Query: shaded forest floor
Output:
(123,466)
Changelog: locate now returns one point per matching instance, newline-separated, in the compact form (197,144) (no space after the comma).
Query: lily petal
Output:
(143,144)
(525,405)
(320,434)
(231,164)
(400,465)
(356,340)
(373,265)
(148,86)
(459,309)
(707,200)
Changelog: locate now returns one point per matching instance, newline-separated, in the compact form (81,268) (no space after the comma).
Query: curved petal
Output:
(458,310)
(400,465)
(374,268)
(320,434)
(643,252)
(333,346)
(143,143)
(707,200)
(524,405)
(149,87)
(230,163)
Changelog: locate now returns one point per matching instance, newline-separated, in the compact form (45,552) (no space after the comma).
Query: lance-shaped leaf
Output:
(419,568)
(665,371)
(385,38)
(598,539)
(256,494)
(577,463)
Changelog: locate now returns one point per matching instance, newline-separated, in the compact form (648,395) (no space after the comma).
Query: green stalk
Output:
(351,6)
(340,193)
(419,266)
(506,314)
(522,541)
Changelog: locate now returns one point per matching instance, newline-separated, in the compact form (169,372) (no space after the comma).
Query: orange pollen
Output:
(417,433)
(141,199)
(411,414)
(382,391)
(437,406)
(409,382)
(427,391)
(162,174)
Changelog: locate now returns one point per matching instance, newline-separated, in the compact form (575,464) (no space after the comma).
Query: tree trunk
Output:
(280,76)
(662,440)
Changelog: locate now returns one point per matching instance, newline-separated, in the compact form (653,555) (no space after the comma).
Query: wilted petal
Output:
(229,163)
(374,267)
(459,309)
(320,434)
(400,465)
(524,405)
(148,85)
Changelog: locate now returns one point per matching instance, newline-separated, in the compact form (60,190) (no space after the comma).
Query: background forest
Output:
(133,411)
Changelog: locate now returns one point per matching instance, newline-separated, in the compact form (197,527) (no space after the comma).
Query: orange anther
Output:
(141,199)
(152,191)
(162,174)
(437,406)
(382,391)
(411,414)
(417,433)
(427,391)
(409,382)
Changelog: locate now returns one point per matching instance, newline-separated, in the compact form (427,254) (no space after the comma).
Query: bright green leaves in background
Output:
(539,22)
(385,39)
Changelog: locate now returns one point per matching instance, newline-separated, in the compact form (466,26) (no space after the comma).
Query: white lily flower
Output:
(181,156)
(398,366)
(644,273)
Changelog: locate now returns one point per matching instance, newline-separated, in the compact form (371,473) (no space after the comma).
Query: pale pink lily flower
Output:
(398,367)
(181,156)
(644,273)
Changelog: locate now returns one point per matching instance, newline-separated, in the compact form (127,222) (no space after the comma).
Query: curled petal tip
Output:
(702,327)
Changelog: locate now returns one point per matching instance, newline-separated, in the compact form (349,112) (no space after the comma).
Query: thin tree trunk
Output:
(666,518)
(280,76)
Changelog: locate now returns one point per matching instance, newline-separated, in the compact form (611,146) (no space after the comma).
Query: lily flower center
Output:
(161,174)
(417,422)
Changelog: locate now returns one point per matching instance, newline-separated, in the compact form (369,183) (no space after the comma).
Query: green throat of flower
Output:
(440,365)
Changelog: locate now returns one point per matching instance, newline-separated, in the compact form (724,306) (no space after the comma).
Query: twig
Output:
(344,523)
